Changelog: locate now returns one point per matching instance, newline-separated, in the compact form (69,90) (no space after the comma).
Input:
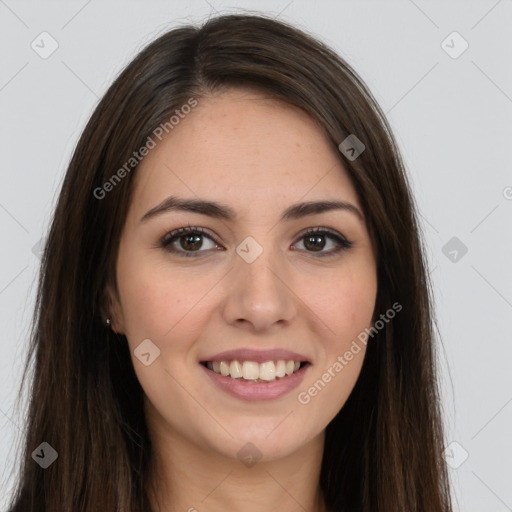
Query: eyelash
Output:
(168,239)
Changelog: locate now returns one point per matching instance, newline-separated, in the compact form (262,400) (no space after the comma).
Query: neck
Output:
(187,477)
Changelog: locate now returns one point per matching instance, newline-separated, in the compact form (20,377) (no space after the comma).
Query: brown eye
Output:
(191,242)
(316,240)
(187,241)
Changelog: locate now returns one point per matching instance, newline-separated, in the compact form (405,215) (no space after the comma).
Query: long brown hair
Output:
(383,450)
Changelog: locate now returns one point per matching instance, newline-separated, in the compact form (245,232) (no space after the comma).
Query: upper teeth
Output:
(251,370)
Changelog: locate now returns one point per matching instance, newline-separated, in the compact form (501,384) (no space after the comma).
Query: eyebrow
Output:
(225,212)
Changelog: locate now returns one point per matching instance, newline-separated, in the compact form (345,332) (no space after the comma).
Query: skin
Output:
(257,155)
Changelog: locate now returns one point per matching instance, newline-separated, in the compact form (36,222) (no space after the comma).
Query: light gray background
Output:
(453,121)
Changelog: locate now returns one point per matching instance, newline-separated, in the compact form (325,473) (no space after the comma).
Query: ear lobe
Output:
(110,308)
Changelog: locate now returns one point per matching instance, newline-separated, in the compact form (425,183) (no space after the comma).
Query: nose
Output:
(260,294)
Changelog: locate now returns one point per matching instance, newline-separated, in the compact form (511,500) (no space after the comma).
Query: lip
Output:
(251,391)
(258,356)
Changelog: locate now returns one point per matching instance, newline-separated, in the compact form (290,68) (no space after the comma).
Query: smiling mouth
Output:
(251,371)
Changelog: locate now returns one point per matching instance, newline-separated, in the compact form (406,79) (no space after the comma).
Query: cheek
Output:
(146,306)
(343,303)
(156,302)
(343,306)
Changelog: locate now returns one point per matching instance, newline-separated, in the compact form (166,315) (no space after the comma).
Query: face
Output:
(243,278)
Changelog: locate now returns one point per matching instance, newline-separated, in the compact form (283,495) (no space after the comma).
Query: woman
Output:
(233,309)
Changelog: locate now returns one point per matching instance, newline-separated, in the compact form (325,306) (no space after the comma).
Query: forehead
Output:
(245,149)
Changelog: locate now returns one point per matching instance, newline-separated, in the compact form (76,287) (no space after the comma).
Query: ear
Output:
(111,308)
